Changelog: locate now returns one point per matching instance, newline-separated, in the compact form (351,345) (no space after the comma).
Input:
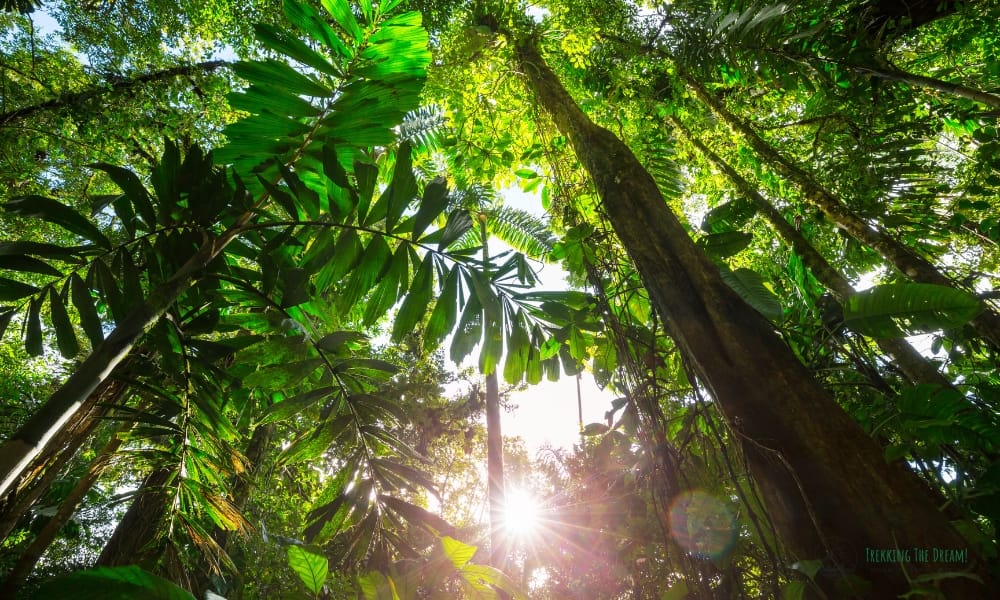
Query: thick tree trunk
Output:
(45,537)
(22,448)
(45,468)
(914,266)
(134,541)
(911,362)
(830,492)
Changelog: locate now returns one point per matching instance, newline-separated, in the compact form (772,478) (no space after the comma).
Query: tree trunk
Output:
(494,446)
(74,99)
(987,324)
(830,492)
(56,454)
(911,362)
(48,533)
(494,469)
(134,541)
(19,451)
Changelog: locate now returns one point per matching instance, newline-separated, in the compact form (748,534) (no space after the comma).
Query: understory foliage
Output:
(231,288)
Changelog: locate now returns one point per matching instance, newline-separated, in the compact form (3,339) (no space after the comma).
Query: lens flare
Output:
(702,524)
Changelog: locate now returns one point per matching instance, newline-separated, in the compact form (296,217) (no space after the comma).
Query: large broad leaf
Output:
(312,568)
(750,286)
(729,216)
(117,583)
(898,310)
(725,244)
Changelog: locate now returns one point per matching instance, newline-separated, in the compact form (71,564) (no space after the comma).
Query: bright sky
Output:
(547,413)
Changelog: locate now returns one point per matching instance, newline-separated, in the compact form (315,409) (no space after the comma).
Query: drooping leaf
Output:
(416,301)
(275,73)
(33,335)
(311,568)
(57,213)
(27,264)
(282,376)
(725,244)
(65,336)
(458,223)
(901,309)
(729,216)
(458,553)
(750,286)
(289,407)
(12,290)
(291,46)
(134,191)
(434,200)
(445,313)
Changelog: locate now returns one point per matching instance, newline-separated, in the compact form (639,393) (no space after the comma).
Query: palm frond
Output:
(422,127)
(522,230)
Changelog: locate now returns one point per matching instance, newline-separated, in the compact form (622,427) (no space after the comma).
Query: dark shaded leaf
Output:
(57,213)
(112,583)
(12,290)
(65,335)
(27,264)
(33,335)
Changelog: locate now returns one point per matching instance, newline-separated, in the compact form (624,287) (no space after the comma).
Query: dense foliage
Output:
(242,242)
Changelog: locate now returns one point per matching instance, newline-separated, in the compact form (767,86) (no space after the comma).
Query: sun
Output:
(522,513)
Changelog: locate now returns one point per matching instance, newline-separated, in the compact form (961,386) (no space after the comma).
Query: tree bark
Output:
(494,447)
(911,362)
(830,492)
(56,454)
(29,559)
(134,541)
(912,265)
(74,99)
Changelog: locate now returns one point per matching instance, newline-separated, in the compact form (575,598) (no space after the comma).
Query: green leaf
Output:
(84,303)
(729,216)
(275,73)
(415,304)
(289,407)
(901,309)
(387,292)
(27,264)
(57,213)
(33,336)
(312,568)
(434,201)
(793,590)
(345,256)
(283,376)
(111,583)
(134,190)
(458,553)
(445,313)
(750,286)
(65,335)
(291,46)
(12,290)
(5,318)
(458,223)
(335,342)
(310,21)
(418,516)
(342,14)
(723,245)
